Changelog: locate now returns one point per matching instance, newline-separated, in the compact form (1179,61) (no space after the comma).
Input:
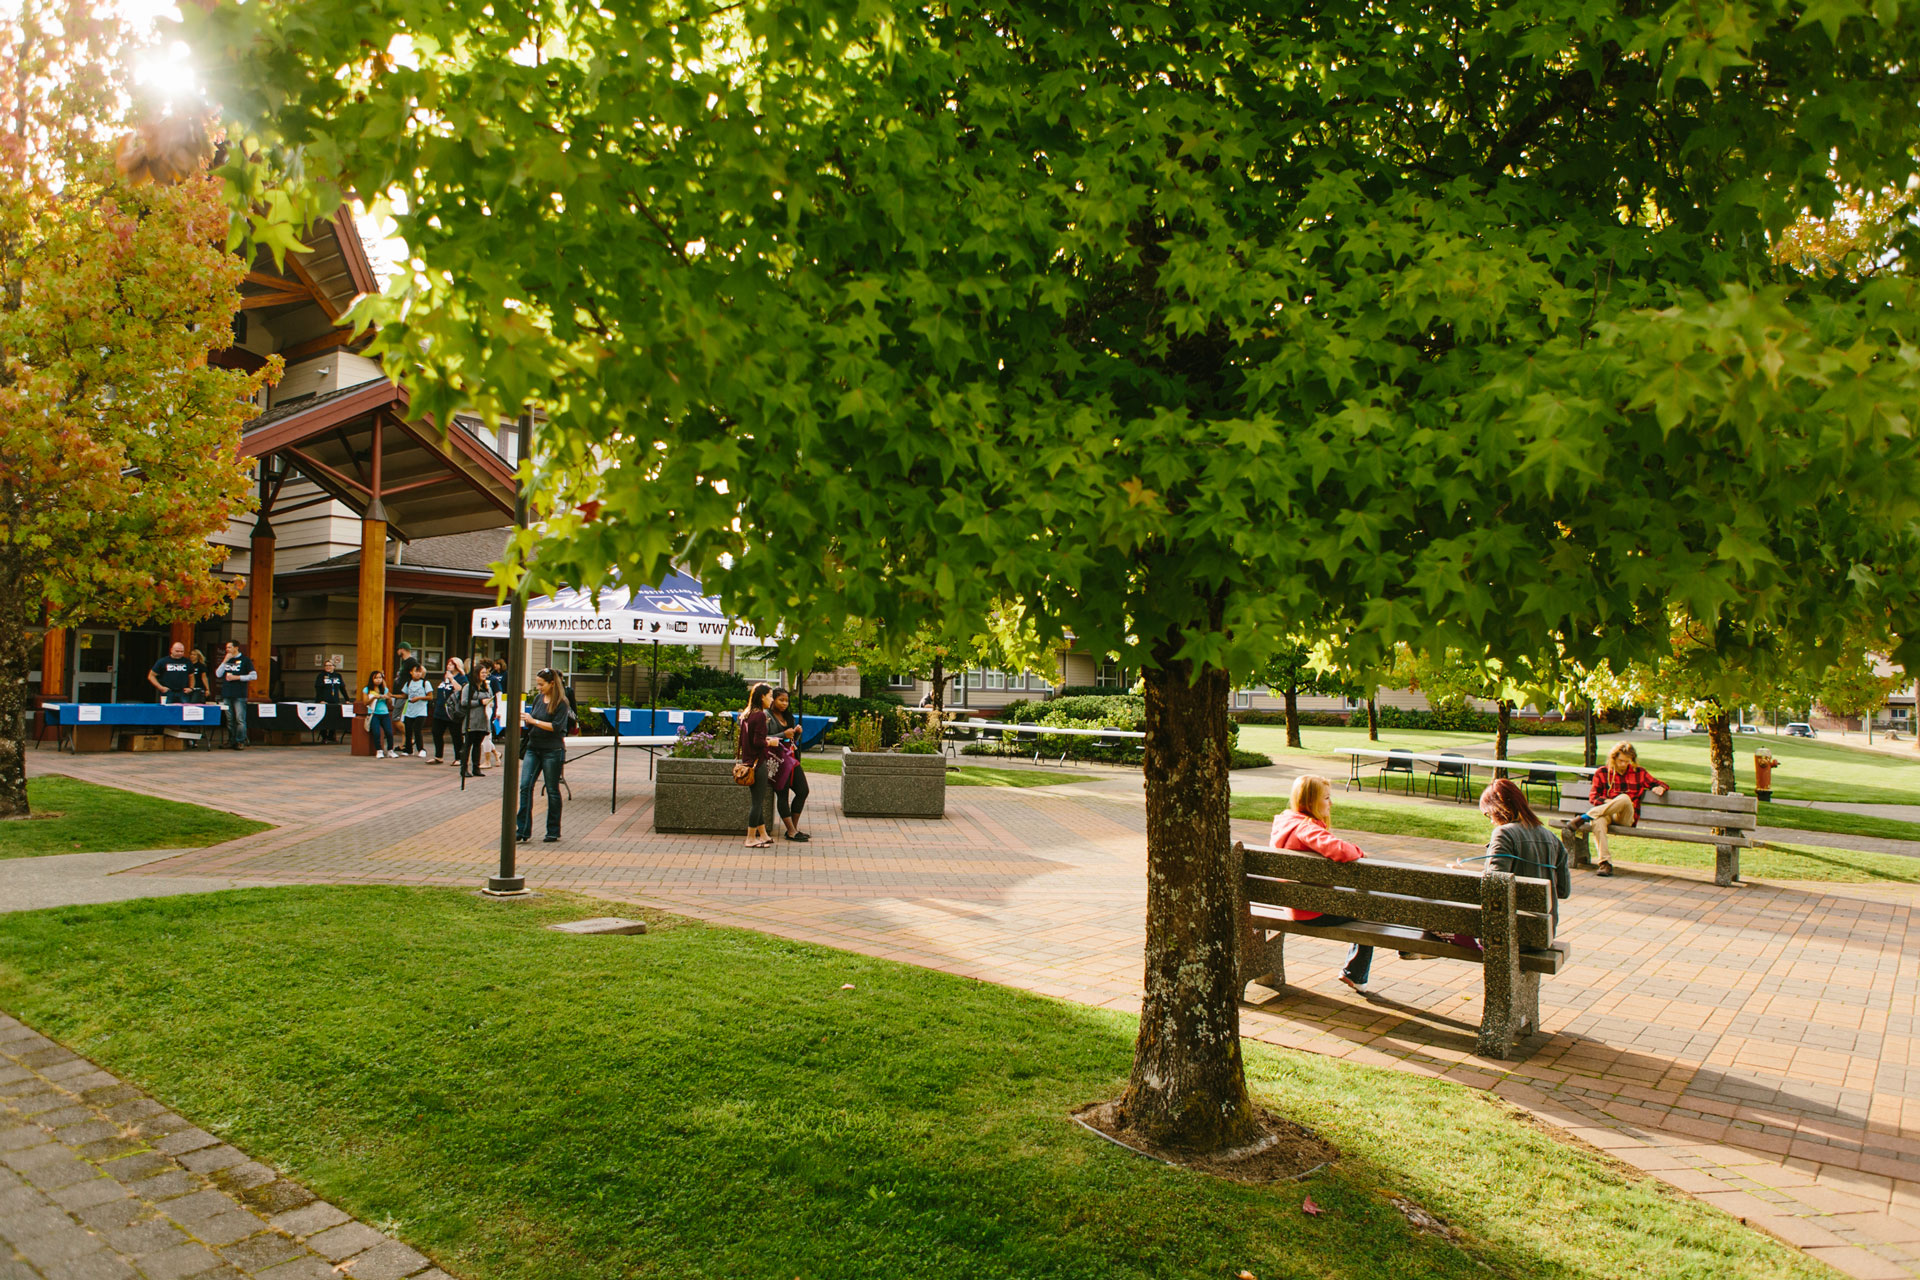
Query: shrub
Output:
(1323,719)
(1239,759)
(702,681)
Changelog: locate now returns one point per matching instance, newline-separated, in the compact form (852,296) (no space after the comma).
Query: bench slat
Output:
(1678,836)
(1384,875)
(1675,798)
(1549,959)
(1533,928)
(1671,814)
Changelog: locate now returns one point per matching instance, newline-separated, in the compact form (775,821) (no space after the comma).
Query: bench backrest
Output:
(1680,808)
(1385,892)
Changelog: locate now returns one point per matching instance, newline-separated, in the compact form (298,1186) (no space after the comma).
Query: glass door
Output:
(96,657)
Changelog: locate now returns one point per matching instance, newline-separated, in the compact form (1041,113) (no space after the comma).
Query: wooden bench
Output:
(1393,904)
(1687,817)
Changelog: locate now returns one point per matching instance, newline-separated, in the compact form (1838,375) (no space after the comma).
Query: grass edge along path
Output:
(707,1102)
(1356,818)
(99,819)
(969,775)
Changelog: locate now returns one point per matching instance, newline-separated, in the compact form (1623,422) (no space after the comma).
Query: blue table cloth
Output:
(634,721)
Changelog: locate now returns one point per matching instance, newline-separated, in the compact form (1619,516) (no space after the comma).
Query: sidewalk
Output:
(100,1182)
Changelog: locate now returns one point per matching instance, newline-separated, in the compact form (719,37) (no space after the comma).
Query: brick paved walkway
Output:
(1754,1046)
(100,1182)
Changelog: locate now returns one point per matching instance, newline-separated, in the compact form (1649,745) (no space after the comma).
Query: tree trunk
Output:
(1293,716)
(1188,1089)
(939,686)
(13,704)
(1592,739)
(1373,719)
(1501,733)
(1720,753)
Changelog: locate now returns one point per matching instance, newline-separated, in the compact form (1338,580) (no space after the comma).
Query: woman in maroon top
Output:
(757,750)
(1615,799)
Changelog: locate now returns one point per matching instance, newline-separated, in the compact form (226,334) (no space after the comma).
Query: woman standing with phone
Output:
(789,779)
(543,726)
(379,702)
(474,725)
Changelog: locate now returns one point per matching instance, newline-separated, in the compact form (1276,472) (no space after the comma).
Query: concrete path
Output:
(75,879)
(1756,1046)
(100,1182)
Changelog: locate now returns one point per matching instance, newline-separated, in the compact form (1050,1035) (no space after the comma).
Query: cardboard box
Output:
(143,742)
(92,737)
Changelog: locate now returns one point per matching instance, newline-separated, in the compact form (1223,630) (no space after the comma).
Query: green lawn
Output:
(708,1103)
(1809,768)
(71,816)
(968,775)
(1356,817)
(1324,740)
(1854,824)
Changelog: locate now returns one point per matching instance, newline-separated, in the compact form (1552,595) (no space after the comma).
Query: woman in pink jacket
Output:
(1303,828)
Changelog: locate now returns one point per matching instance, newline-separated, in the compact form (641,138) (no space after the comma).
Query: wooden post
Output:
(180,633)
(260,604)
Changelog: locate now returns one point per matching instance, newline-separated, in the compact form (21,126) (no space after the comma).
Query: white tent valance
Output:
(677,611)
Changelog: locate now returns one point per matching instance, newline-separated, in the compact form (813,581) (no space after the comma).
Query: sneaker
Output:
(379,755)
(549,839)
(1360,988)
(423,753)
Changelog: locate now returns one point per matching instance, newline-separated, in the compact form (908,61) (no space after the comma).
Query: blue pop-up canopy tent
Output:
(678,611)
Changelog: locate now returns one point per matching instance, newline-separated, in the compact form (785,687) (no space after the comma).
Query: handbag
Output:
(784,771)
(743,773)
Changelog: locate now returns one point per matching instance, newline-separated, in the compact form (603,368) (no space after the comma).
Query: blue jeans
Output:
(534,762)
(237,721)
(1359,963)
(380,730)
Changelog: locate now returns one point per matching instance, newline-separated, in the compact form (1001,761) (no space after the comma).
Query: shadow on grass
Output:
(704,1102)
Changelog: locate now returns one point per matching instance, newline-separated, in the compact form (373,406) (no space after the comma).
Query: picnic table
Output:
(1039,730)
(1456,767)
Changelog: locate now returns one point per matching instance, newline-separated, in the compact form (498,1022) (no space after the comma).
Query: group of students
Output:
(1519,843)
(768,743)
(461,706)
(183,677)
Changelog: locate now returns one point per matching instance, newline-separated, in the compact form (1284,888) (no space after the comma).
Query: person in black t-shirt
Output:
(235,674)
(200,687)
(329,686)
(172,675)
(544,723)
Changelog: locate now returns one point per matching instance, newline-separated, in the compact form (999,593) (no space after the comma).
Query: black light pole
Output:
(620,665)
(653,703)
(508,883)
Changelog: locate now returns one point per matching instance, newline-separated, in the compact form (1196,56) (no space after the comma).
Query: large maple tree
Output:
(118,442)
(1182,326)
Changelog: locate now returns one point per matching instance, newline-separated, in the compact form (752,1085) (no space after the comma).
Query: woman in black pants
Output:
(444,711)
(754,748)
(791,798)
(473,725)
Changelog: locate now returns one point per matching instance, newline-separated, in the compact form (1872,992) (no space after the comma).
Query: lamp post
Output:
(509,883)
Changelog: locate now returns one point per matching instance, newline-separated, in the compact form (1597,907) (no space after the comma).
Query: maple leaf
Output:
(1311,1209)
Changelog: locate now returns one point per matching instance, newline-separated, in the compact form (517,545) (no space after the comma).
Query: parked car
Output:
(1697,727)
(1747,728)
(1800,729)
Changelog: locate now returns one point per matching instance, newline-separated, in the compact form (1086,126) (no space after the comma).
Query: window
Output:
(1039,684)
(900,682)
(429,644)
(973,679)
(1242,699)
(751,669)
(998,680)
(1109,675)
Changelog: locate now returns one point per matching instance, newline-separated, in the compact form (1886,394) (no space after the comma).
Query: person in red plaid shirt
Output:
(1615,797)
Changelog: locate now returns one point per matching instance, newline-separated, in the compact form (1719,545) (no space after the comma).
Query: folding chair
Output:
(1397,762)
(1454,773)
(1538,777)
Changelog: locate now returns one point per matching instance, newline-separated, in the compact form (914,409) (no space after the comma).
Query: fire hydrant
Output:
(1763,764)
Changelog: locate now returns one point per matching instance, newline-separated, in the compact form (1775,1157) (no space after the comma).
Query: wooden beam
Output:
(353,454)
(319,295)
(271,281)
(273,300)
(314,346)
(308,463)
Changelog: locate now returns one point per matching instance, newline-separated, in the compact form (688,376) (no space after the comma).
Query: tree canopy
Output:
(118,441)
(1182,326)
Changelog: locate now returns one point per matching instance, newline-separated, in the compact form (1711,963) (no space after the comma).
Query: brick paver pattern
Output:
(1753,1046)
(100,1182)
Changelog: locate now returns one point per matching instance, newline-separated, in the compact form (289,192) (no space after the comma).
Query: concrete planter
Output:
(887,784)
(699,797)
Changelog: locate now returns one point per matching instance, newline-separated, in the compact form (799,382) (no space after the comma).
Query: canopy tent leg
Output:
(619,664)
(653,704)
